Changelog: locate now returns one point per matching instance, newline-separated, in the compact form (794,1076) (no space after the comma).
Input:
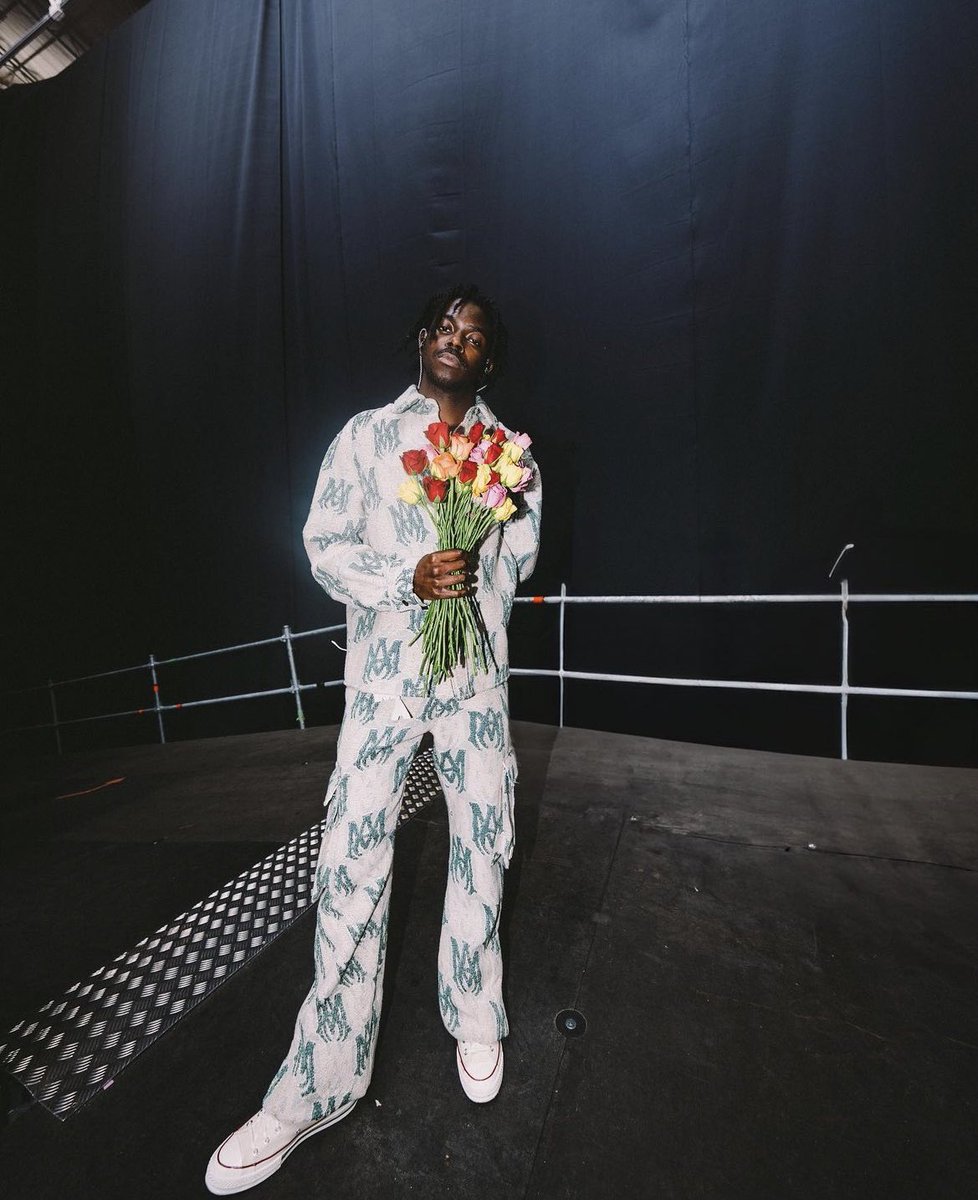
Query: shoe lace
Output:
(264,1126)
(474,1048)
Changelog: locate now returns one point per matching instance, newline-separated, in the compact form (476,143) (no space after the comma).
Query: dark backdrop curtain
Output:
(735,247)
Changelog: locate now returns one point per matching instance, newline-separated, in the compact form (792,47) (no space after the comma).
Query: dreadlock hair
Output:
(453,297)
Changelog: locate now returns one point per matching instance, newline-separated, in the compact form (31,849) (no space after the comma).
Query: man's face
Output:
(455,351)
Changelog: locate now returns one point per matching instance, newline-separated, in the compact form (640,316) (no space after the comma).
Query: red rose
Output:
(476,432)
(435,489)
(414,461)
(467,471)
(499,436)
(437,433)
(492,453)
(493,477)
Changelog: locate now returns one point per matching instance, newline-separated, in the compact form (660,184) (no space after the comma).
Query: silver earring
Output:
(421,341)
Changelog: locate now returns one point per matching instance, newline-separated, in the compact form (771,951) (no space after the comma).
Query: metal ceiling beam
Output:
(54,13)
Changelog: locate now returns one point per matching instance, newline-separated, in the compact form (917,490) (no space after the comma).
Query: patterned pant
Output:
(331,1057)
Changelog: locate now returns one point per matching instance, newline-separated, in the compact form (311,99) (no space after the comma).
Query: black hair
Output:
(441,302)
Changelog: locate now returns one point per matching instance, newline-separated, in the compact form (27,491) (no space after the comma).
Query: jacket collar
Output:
(412,400)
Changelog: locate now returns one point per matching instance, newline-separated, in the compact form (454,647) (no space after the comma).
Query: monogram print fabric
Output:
(364,544)
(331,1056)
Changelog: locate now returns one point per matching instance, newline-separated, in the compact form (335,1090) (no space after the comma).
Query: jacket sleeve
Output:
(521,534)
(343,563)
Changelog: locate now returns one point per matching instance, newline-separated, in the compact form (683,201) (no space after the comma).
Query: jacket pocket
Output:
(507,833)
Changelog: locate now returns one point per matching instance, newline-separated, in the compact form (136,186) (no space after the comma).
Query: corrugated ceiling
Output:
(60,42)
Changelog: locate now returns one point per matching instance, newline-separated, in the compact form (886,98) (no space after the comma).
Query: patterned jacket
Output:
(364,544)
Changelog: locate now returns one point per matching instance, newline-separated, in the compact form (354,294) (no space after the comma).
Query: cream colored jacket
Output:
(364,544)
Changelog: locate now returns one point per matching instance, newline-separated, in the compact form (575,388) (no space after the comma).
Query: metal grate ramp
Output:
(77,1045)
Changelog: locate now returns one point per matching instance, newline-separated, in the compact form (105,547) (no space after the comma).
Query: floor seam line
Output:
(809,849)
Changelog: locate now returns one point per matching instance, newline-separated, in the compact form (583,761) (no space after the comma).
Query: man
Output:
(376,554)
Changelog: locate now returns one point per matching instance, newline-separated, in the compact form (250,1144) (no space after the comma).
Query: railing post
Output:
(844,694)
(156,698)
(560,664)
(300,716)
(54,714)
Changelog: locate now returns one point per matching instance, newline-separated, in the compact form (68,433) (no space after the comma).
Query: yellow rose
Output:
(410,491)
(509,473)
(511,452)
(482,478)
(505,510)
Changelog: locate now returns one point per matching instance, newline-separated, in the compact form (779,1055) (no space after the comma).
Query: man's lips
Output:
(449,356)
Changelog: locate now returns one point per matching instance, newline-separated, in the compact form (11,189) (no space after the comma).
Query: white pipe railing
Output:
(843,689)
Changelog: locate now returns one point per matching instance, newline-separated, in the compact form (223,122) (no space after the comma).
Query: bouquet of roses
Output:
(466,483)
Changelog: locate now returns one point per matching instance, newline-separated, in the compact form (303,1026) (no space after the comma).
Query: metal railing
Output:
(152,665)
(844,689)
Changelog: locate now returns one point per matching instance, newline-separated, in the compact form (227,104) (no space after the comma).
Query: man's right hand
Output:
(437,575)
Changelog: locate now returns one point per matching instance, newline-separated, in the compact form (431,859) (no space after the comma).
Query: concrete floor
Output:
(775,956)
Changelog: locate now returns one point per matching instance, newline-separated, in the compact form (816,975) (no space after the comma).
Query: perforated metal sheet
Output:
(77,1045)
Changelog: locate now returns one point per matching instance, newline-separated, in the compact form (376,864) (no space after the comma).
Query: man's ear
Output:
(487,369)
(422,336)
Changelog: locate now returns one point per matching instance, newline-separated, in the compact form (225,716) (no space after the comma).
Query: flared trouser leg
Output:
(477,769)
(330,1060)
(331,1057)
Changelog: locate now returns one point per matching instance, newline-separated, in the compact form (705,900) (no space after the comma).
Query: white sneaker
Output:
(480,1069)
(258,1149)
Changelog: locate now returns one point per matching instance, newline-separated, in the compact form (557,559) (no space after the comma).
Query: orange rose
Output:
(460,447)
(444,466)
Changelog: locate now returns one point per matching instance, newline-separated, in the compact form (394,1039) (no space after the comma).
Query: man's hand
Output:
(437,576)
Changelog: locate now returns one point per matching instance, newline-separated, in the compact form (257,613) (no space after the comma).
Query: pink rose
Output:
(495,495)
(522,439)
(478,452)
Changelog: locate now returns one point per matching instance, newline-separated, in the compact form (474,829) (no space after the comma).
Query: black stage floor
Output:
(775,957)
